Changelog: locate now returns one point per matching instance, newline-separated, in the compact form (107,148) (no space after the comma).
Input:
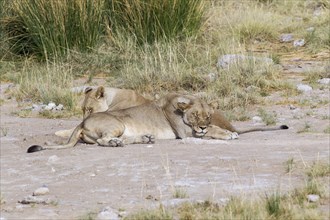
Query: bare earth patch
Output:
(88,178)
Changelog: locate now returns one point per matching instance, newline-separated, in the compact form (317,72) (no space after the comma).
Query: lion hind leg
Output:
(216,132)
(140,139)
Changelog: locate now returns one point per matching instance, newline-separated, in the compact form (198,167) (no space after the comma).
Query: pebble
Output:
(299,43)
(310,29)
(59,107)
(292,107)
(226,60)
(53,159)
(313,198)
(325,81)
(256,119)
(286,38)
(107,213)
(41,191)
(50,106)
(304,88)
(32,199)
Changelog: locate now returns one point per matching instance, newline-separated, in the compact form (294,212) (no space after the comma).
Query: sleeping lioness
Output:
(102,99)
(173,116)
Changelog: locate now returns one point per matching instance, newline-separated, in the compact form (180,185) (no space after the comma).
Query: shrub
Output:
(51,28)
(152,20)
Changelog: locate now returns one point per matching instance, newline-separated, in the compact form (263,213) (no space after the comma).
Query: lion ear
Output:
(99,92)
(88,89)
(183,104)
(214,105)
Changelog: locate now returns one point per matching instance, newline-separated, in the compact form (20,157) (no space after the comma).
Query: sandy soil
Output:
(89,178)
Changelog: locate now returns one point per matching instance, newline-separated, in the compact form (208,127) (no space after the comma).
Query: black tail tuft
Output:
(34,148)
(284,127)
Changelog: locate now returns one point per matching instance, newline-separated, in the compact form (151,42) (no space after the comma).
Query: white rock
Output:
(107,213)
(257,119)
(41,191)
(59,107)
(313,198)
(310,29)
(50,106)
(53,159)
(304,88)
(286,37)
(325,81)
(299,43)
(226,60)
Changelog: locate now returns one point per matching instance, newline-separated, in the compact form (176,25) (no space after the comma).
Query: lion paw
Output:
(148,139)
(116,142)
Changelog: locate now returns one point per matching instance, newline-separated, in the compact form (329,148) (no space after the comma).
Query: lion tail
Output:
(71,143)
(282,127)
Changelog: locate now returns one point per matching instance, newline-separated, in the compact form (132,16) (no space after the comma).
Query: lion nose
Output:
(203,127)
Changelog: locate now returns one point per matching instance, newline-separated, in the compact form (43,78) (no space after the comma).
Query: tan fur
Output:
(173,116)
(102,99)
(109,99)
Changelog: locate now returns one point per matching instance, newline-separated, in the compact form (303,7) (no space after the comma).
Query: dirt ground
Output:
(89,178)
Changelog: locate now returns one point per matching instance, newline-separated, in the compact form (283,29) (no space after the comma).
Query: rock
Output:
(50,106)
(292,107)
(313,198)
(53,159)
(286,38)
(36,200)
(41,191)
(299,43)
(310,29)
(304,88)
(226,60)
(59,107)
(325,81)
(108,213)
(256,119)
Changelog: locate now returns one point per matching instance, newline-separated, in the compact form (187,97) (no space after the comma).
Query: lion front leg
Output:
(216,132)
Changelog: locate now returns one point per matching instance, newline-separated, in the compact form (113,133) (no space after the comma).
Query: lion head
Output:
(94,101)
(187,114)
(196,114)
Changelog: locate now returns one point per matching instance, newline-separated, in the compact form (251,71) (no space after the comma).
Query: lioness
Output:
(101,99)
(173,116)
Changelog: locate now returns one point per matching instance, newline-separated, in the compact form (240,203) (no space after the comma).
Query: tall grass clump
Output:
(50,29)
(152,20)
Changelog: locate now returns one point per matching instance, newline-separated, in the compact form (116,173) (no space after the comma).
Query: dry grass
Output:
(231,27)
(274,205)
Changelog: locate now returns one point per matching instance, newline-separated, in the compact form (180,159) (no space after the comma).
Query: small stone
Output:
(53,159)
(257,119)
(286,38)
(50,106)
(299,43)
(292,107)
(149,146)
(32,199)
(41,191)
(227,60)
(325,81)
(310,29)
(313,198)
(304,88)
(107,213)
(59,107)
